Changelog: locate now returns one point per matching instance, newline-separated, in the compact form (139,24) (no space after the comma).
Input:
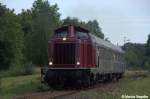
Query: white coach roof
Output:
(102,43)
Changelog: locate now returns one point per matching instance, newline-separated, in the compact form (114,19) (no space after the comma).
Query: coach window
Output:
(117,57)
(61,34)
(98,58)
(81,35)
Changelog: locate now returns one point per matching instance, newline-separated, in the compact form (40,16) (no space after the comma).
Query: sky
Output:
(118,19)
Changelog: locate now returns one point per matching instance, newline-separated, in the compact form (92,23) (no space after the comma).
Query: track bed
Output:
(109,87)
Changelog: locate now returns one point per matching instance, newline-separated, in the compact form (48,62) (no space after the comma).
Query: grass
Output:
(129,85)
(137,85)
(98,95)
(12,86)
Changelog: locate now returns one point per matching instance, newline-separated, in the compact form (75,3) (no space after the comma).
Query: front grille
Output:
(64,53)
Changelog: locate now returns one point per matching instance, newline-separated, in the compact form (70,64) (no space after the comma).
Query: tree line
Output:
(137,55)
(24,36)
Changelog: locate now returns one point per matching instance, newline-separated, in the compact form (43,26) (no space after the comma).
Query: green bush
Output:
(26,69)
(43,87)
(6,55)
(0,84)
(147,64)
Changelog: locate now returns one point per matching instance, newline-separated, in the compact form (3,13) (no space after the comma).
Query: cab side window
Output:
(61,34)
(81,35)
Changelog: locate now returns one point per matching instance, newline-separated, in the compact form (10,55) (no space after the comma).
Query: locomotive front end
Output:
(62,49)
(63,57)
(77,57)
(71,55)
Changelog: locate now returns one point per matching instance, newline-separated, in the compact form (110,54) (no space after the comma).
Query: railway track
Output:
(53,94)
(66,94)
(47,95)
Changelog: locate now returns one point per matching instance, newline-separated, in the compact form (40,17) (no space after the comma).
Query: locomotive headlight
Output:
(50,63)
(78,63)
(64,38)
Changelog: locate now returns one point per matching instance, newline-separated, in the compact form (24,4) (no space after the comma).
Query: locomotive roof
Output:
(75,27)
(99,41)
(106,44)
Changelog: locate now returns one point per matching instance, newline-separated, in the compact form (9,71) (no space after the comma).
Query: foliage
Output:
(28,68)
(148,46)
(147,60)
(41,20)
(94,28)
(147,64)
(24,37)
(11,39)
(134,55)
(43,87)
(137,55)
(6,55)
(71,21)
(25,69)
(0,84)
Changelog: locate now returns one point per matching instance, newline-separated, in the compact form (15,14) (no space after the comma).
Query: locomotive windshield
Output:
(81,35)
(61,34)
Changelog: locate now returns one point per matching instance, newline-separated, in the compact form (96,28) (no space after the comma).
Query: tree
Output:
(148,46)
(25,19)
(6,55)
(134,55)
(73,21)
(45,19)
(107,39)
(138,55)
(94,28)
(11,38)
(147,60)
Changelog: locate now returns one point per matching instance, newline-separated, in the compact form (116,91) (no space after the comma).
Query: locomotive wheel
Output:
(86,81)
(109,77)
(56,85)
(92,81)
(78,84)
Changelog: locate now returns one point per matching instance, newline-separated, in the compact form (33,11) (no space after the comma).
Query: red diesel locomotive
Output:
(77,56)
